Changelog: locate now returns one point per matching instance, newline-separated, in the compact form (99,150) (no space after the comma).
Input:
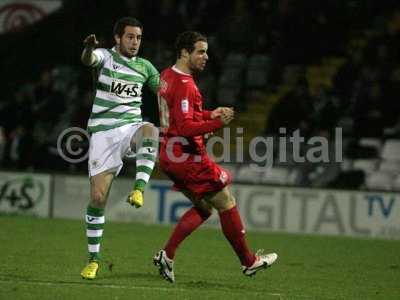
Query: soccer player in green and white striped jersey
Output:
(116,125)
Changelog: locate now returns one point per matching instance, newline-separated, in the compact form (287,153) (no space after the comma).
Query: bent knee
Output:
(223,202)
(227,204)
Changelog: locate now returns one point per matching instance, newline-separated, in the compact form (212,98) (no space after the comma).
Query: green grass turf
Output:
(42,259)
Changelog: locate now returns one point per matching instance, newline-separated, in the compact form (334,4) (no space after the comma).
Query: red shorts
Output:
(198,174)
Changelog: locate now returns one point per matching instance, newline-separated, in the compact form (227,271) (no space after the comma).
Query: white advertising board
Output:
(296,210)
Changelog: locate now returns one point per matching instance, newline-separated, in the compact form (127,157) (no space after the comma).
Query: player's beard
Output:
(195,68)
(124,52)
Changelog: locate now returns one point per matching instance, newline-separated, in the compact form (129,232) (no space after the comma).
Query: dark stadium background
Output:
(307,65)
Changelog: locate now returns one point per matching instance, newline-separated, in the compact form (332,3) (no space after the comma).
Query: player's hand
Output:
(227,118)
(91,41)
(227,115)
(218,112)
(228,112)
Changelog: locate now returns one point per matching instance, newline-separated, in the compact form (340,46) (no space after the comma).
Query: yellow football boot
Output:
(135,198)
(90,271)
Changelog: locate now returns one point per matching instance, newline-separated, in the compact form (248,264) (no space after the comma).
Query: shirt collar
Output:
(123,57)
(174,68)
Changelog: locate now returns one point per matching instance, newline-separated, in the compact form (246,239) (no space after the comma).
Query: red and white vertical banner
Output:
(15,15)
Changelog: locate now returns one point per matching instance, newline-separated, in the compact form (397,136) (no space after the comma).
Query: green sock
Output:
(145,160)
(94,230)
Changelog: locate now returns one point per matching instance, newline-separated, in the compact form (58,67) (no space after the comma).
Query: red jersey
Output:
(182,116)
(181,111)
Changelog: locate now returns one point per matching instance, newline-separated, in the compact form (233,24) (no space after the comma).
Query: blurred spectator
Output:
(391,92)
(368,112)
(235,30)
(21,152)
(326,110)
(292,112)
(2,145)
(347,75)
(48,102)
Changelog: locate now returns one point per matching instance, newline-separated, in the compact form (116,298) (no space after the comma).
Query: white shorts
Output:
(108,148)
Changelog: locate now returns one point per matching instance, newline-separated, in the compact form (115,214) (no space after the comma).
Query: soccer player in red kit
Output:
(184,159)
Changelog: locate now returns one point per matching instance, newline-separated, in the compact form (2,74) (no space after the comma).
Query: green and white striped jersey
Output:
(119,85)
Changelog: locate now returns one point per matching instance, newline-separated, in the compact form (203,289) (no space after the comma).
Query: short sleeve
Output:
(100,55)
(153,79)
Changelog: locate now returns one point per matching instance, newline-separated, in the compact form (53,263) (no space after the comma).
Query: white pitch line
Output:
(112,286)
(88,283)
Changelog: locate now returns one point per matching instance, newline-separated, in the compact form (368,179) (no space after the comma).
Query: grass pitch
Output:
(42,259)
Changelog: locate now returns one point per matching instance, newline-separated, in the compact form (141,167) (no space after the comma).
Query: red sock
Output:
(188,223)
(233,230)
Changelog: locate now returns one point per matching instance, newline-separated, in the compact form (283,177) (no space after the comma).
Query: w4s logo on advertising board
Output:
(21,194)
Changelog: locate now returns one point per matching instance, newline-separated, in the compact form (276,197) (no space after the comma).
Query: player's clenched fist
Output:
(218,112)
(226,114)
(226,118)
(90,41)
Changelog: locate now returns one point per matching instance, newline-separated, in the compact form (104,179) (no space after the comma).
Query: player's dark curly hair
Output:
(186,40)
(120,25)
